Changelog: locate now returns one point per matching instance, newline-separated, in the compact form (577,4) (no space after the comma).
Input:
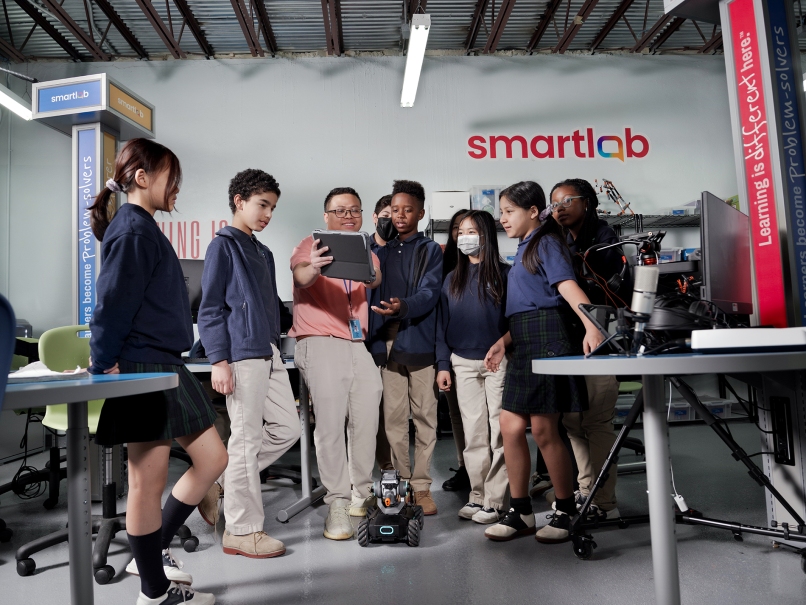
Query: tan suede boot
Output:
(258,545)
(210,506)
(425,500)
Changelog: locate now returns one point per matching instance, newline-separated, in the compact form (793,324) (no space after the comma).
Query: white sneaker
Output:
(173,569)
(359,506)
(469,509)
(538,484)
(596,513)
(485,516)
(178,594)
(338,525)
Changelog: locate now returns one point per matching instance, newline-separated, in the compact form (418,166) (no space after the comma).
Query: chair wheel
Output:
(50,503)
(362,533)
(104,574)
(190,544)
(25,567)
(413,538)
(2,525)
(5,534)
(583,547)
(183,533)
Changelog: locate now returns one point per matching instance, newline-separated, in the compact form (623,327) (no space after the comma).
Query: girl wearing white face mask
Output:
(470,321)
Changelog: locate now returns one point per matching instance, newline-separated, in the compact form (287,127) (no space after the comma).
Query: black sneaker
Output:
(458,482)
(177,594)
(557,531)
(511,526)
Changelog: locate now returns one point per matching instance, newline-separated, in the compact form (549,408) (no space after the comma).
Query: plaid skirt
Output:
(538,334)
(155,416)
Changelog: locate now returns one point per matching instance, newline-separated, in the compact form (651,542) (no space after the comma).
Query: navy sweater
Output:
(143,312)
(466,325)
(416,338)
(235,322)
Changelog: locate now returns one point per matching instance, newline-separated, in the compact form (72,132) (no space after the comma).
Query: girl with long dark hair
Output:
(474,294)
(142,323)
(574,204)
(544,321)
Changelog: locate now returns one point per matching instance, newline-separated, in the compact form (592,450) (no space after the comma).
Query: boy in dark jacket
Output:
(239,326)
(404,336)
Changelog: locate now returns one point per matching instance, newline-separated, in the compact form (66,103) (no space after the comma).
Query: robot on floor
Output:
(394,519)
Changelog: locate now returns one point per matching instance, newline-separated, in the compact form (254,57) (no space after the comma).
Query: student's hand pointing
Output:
(390,308)
(317,260)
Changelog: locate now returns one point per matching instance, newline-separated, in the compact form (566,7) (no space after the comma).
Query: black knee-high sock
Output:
(566,505)
(174,514)
(522,506)
(148,555)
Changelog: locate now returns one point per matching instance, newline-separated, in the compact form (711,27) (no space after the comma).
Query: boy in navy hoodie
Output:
(239,326)
(404,339)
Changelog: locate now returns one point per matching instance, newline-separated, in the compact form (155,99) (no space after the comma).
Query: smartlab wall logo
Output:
(581,144)
(73,96)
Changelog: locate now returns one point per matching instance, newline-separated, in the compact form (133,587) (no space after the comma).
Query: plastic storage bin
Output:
(680,411)
(720,409)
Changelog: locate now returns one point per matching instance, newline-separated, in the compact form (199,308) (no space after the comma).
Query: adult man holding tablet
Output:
(330,325)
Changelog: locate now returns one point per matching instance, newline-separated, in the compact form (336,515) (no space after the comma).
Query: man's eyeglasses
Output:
(565,202)
(342,212)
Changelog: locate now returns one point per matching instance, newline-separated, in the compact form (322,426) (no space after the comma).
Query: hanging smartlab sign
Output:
(583,143)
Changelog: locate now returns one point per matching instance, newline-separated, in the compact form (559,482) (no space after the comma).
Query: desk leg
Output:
(308,497)
(78,505)
(659,483)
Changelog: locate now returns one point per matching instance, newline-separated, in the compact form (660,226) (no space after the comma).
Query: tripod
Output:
(583,542)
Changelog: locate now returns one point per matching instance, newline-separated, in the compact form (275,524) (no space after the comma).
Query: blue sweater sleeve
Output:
(213,310)
(426,295)
(128,262)
(443,316)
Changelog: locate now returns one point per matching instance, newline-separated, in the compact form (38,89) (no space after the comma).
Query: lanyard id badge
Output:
(355,324)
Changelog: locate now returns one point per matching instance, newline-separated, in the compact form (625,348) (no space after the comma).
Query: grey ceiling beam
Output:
(331,13)
(543,25)
(617,15)
(570,33)
(265,25)
(194,27)
(676,23)
(48,28)
(712,44)
(500,23)
(162,30)
(11,53)
(650,34)
(247,26)
(77,32)
(124,30)
(475,24)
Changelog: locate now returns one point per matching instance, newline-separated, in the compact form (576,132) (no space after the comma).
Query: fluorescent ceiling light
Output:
(804,84)
(15,103)
(420,24)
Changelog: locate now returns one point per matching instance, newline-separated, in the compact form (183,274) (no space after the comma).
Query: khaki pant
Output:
(345,388)
(383,455)
(479,392)
(456,422)
(592,436)
(264,424)
(410,390)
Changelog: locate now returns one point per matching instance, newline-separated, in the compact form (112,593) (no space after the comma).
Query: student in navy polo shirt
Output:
(544,321)
(474,294)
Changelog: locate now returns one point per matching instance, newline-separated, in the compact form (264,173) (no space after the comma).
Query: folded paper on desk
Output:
(748,340)
(39,372)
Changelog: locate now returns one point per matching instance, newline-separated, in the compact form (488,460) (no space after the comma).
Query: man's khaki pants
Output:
(410,390)
(480,392)
(592,436)
(264,424)
(345,387)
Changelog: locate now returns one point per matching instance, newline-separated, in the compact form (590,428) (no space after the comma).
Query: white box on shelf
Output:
(720,409)
(444,204)
(680,411)
(483,197)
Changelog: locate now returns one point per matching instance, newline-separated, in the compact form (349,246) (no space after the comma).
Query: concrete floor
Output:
(454,562)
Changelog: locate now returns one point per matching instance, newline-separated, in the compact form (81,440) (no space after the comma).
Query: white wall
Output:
(325,122)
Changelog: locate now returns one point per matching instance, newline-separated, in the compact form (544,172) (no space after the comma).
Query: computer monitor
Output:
(192,270)
(725,265)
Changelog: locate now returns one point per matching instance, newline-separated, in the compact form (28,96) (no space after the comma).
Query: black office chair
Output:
(7,330)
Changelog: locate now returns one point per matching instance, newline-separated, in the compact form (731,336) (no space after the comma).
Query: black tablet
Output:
(351,252)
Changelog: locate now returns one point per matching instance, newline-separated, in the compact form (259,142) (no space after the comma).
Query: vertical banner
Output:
(87,177)
(757,160)
(788,86)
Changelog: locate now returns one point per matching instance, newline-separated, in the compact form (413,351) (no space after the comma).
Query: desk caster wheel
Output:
(413,538)
(50,503)
(5,534)
(104,574)
(190,544)
(362,533)
(583,547)
(25,567)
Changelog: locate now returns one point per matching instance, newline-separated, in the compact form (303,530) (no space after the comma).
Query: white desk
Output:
(309,496)
(656,431)
(77,393)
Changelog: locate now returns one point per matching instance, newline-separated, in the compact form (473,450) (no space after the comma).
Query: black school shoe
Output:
(178,593)
(557,531)
(458,482)
(511,526)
